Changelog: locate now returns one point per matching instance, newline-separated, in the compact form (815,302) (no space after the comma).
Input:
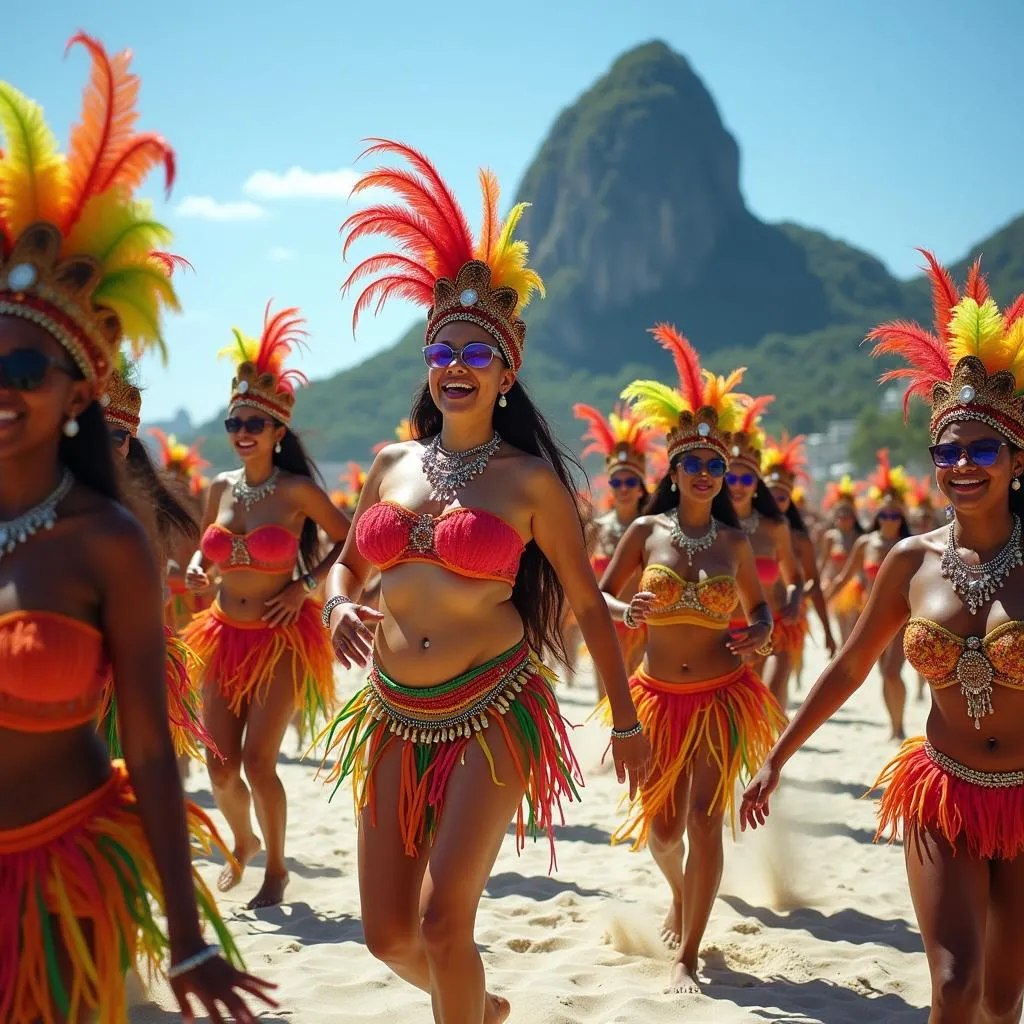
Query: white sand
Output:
(813,922)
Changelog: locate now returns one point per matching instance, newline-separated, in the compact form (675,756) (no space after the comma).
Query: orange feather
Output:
(687,362)
(944,293)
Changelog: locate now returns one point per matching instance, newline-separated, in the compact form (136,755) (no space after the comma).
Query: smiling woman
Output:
(956,795)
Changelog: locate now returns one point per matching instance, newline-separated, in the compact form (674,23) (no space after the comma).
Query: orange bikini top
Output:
(839,557)
(707,602)
(936,652)
(767,569)
(52,672)
(871,569)
(599,563)
(268,548)
(466,541)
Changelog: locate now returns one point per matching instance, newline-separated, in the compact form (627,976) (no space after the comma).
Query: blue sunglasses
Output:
(715,466)
(747,479)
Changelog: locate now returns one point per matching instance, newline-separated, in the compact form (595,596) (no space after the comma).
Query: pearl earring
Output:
(1016,483)
(674,487)
(70,427)
(277,447)
(503,401)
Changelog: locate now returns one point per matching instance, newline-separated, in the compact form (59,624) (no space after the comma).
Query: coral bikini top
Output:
(52,672)
(706,603)
(871,569)
(943,657)
(767,569)
(469,542)
(268,548)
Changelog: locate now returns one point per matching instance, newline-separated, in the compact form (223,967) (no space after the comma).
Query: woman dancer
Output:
(92,856)
(922,517)
(475,531)
(783,464)
(834,552)
(957,796)
(624,444)
(889,485)
(762,521)
(709,717)
(264,653)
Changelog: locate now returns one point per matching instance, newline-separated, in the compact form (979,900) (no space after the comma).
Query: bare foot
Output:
(672,929)
(231,875)
(271,892)
(497,1010)
(684,980)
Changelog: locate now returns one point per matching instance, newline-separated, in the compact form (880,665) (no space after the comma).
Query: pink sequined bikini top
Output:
(467,541)
(268,548)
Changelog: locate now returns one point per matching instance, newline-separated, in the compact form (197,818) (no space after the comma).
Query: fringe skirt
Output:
(851,599)
(788,637)
(509,698)
(925,790)
(734,715)
(242,659)
(83,881)
(183,706)
(182,605)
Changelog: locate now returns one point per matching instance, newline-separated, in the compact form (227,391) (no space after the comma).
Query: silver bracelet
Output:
(325,615)
(628,734)
(192,962)
(627,618)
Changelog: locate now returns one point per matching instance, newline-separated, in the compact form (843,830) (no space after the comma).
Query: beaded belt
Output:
(457,708)
(992,780)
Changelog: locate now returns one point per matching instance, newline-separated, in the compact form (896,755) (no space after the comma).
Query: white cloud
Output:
(279,254)
(298,183)
(208,208)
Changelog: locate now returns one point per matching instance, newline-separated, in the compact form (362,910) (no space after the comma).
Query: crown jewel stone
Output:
(243,387)
(23,276)
(703,429)
(468,297)
(967,394)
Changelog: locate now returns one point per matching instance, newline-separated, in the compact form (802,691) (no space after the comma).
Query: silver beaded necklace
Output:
(977,584)
(750,524)
(249,496)
(448,472)
(39,517)
(691,545)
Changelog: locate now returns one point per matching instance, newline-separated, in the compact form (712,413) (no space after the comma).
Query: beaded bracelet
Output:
(325,615)
(628,734)
(627,618)
(192,962)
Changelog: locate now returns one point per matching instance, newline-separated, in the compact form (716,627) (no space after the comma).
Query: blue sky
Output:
(886,124)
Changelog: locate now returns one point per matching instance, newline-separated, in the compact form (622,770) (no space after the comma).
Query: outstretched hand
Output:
(755,808)
(218,982)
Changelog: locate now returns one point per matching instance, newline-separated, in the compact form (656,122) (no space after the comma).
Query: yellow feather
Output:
(508,261)
(977,331)
(137,294)
(654,403)
(33,173)
(1014,343)
(241,350)
(117,232)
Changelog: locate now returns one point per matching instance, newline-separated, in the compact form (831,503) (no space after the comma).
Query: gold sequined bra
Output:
(708,603)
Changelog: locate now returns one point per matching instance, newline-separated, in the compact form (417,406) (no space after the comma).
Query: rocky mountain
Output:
(638,216)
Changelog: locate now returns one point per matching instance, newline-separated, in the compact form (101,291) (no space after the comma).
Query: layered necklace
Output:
(39,517)
(977,584)
(448,472)
(250,496)
(750,524)
(691,545)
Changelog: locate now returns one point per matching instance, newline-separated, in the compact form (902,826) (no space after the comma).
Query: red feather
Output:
(282,333)
(416,236)
(1015,312)
(599,432)
(753,411)
(171,262)
(920,385)
(977,286)
(918,347)
(944,293)
(691,381)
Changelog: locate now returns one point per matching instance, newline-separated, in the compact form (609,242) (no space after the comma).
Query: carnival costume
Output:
(510,698)
(734,716)
(624,443)
(970,369)
(241,657)
(122,406)
(76,259)
(888,484)
(921,498)
(851,599)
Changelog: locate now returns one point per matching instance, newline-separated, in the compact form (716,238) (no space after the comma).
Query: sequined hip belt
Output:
(458,707)
(991,780)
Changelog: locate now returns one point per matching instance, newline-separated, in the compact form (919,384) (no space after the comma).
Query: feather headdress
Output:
(403,432)
(438,264)
(920,494)
(746,443)
(844,491)
(182,460)
(621,439)
(261,379)
(701,412)
(888,482)
(75,246)
(352,482)
(972,366)
(122,401)
(784,461)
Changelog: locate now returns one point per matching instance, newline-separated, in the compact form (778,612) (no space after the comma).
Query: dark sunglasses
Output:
(25,369)
(254,425)
(983,452)
(693,466)
(476,355)
(118,436)
(891,516)
(629,482)
(747,479)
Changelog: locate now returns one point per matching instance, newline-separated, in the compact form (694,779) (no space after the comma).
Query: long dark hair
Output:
(796,521)
(764,503)
(537,594)
(172,515)
(293,458)
(89,454)
(904,525)
(858,529)
(665,498)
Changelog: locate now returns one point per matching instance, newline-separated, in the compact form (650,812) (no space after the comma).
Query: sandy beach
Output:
(813,922)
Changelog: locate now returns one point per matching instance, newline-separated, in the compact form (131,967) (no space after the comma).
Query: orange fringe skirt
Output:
(242,658)
(183,705)
(851,599)
(182,605)
(510,695)
(734,716)
(788,637)
(82,881)
(927,791)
